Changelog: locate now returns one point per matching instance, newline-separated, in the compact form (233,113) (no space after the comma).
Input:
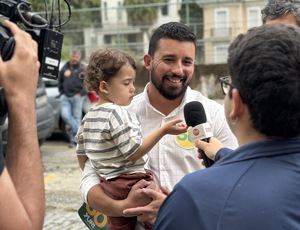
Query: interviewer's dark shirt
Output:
(254,187)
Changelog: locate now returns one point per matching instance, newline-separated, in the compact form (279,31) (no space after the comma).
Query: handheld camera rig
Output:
(43,32)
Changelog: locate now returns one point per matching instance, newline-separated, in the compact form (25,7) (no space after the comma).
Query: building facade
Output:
(222,21)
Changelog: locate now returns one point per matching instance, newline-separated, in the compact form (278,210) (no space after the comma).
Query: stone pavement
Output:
(62,177)
(63,220)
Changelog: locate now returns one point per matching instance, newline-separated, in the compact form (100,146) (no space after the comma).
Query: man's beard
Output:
(168,92)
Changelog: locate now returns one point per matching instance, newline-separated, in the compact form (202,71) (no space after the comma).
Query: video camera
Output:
(43,32)
(49,40)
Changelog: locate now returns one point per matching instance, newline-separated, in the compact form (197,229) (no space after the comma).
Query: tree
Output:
(191,13)
(142,15)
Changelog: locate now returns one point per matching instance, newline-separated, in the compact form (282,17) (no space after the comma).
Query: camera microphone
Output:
(199,129)
(34,18)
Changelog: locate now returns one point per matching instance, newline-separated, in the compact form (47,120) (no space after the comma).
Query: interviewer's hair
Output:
(103,65)
(264,65)
(171,30)
(278,8)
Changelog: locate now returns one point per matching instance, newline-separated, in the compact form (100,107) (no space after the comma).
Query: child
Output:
(110,135)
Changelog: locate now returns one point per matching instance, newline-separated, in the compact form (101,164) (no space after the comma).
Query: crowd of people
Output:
(253,183)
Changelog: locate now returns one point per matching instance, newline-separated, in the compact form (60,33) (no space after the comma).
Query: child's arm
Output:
(172,127)
(81,160)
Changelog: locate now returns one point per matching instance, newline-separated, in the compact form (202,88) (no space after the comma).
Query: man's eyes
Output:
(188,62)
(169,59)
(185,62)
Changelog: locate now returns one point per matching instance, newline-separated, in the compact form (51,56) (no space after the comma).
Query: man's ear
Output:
(103,87)
(148,62)
(238,106)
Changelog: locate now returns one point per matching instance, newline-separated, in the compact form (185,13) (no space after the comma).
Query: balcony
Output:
(221,32)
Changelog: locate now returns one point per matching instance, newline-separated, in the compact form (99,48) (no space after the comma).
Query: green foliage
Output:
(37,5)
(73,30)
(195,12)
(142,15)
(195,15)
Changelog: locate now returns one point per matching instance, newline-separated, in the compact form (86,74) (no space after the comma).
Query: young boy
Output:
(110,136)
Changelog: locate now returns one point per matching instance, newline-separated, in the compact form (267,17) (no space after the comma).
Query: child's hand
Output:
(174,127)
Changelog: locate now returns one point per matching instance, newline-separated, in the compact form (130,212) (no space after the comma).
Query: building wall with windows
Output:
(117,32)
(223,21)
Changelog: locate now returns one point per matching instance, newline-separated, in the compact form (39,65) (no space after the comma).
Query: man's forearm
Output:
(101,202)
(23,160)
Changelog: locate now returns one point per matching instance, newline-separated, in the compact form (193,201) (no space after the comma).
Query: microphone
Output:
(34,18)
(199,129)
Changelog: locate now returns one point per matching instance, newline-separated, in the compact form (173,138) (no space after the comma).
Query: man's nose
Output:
(178,68)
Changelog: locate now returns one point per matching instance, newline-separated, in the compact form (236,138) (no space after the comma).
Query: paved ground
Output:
(62,176)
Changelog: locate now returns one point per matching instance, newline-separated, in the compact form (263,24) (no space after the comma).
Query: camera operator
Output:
(21,175)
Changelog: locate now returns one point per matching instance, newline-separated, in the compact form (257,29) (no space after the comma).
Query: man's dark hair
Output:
(264,65)
(171,30)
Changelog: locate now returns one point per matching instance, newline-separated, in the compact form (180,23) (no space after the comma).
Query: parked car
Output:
(54,99)
(45,116)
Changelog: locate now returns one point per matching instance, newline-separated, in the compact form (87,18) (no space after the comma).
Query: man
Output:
(72,92)
(170,62)
(255,186)
(21,177)
(278,11)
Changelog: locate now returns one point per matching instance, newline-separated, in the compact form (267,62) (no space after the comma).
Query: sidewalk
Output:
(62,177)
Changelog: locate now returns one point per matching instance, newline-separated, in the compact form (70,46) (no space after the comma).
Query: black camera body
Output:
(49,51)
(7,43)
(49,41)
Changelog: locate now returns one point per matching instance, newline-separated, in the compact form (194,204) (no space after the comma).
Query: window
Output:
(165,10)
(93,39)
(221,22)
(107,39)
(253,17)
(221,53)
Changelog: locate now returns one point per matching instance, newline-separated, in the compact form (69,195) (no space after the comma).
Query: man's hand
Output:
(147,213)
(136,197)
(19,75)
